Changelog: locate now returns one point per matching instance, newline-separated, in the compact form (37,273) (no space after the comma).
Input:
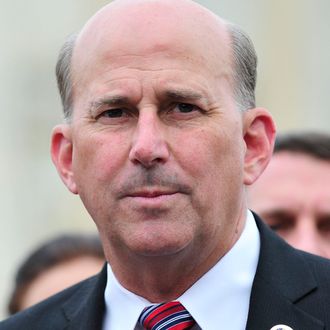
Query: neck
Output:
(165,278)
(160,279)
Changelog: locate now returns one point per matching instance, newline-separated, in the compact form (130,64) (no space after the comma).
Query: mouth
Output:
(155,198)
(151,193)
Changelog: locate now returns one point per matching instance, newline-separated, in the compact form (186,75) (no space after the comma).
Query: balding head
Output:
(137,27)
(126,29)
(143,20)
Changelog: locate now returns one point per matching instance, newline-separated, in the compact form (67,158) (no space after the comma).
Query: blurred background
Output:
(293,45)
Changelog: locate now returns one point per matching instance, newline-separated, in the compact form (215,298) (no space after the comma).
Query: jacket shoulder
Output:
(290,287)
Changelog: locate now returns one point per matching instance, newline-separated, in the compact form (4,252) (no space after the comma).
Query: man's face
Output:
(293,197)
(158,151)
(156,146)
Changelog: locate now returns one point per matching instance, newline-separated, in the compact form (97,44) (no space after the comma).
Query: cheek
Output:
(211,156)
(215,166)
(96,164)
(97,158)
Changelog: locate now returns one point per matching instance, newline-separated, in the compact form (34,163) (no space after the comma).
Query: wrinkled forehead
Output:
(144,27)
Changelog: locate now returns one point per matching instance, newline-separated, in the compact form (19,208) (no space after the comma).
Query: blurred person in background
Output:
(293,193)
(161,138)
(54,266)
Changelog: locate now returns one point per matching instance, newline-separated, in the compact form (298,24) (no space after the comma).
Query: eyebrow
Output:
(118,100)
(113,100)
(184,94)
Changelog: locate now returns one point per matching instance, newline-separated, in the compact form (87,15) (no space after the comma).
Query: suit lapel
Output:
(282,280)
(85,309)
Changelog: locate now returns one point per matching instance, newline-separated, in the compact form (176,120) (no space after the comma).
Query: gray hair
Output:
(64,76)
(244,67)
(244,70)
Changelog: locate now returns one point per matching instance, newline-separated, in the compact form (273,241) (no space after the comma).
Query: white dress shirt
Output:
(218,300)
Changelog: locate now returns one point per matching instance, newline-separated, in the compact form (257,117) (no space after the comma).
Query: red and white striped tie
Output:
(166,316)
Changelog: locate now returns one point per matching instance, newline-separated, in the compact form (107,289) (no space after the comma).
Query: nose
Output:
(306,237)
(149,146)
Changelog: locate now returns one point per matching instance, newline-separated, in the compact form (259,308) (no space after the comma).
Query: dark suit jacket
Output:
(290,287)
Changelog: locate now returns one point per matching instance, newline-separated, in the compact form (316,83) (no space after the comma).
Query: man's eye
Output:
(186,107)
(112,113)
(324,224)
(279,220)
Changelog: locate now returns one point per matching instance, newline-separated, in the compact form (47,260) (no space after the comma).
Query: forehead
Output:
(297,165)
(121,33)
(293,180)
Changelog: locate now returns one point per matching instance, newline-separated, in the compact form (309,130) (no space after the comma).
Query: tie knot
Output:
(171,315)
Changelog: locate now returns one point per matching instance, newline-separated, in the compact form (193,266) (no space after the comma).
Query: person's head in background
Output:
(53,266)
(293,194)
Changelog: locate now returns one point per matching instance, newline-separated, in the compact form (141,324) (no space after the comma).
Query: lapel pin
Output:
(281,327)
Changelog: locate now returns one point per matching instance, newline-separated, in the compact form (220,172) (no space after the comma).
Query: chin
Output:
(160,251)
(159,246)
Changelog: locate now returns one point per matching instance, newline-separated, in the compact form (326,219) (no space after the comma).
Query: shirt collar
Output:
(225,305)
(123,307)
(220,298)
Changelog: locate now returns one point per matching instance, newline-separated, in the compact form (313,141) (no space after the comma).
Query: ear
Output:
(259,137)
(61,152)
